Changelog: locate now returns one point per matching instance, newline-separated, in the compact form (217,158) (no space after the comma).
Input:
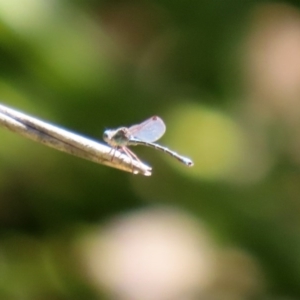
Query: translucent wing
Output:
(150,130)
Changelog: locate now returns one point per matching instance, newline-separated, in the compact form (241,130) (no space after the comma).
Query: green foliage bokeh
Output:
(91,65)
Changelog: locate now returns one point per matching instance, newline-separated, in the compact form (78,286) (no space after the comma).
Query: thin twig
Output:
(68,142)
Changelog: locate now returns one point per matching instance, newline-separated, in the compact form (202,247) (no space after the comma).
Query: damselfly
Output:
(142,134)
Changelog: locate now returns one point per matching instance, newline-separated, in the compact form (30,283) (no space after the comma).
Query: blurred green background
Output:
(225,77)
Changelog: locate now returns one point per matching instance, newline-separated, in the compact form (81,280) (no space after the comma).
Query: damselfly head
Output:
(117,138)
(107,135)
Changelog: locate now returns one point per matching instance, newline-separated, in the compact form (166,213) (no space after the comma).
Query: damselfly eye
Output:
(105,136)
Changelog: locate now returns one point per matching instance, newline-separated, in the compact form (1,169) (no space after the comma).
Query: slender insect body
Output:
(145,134)
(182,159)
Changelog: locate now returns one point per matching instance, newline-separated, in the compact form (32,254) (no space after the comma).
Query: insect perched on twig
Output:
(144,134)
